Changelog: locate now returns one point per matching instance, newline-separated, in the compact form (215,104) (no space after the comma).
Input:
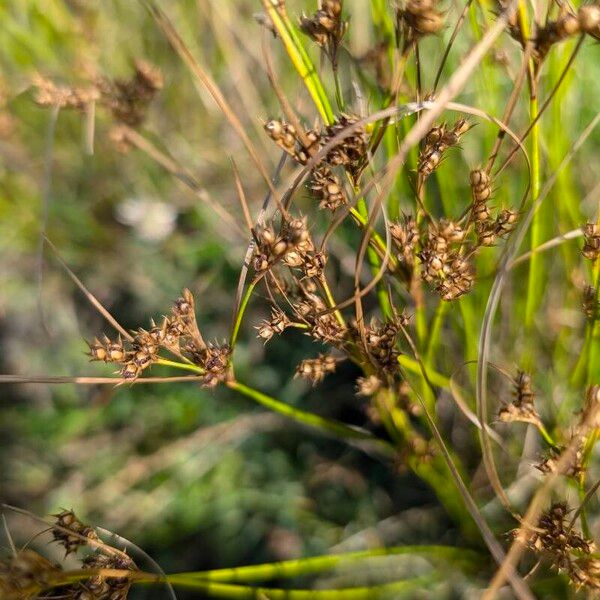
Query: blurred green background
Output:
(198,479)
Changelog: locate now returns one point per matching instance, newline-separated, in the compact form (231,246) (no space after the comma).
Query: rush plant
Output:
(407,232)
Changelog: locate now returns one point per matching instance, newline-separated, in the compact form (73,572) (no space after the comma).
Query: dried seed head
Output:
(591,303)
(24,571)
(568,550)
(108,351)
(566,25)
(525,414)
(589,19)
(49,94)
(351,152)
(505,222)
(326,27)
(315,369)
(129,99)
(419,18)
(111,588)
(591,235)
(549,463)
(215,360)
(481,185)
(70,532)
(367,386)
(313,265)
(327,188)
(276,325)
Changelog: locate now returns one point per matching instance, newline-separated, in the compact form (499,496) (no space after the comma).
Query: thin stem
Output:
(307,418)
(319,564)
(331,301)
(240,314)
(178,365)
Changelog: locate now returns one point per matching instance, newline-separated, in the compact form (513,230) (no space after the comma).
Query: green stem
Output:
(319,564)
(307,418)
(240,314)
(375,263)
(435,332)
(178,365)
(331,301)
(242,592)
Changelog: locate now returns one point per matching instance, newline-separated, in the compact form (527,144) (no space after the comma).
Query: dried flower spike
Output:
(315,369)
(70,532)
(591,246)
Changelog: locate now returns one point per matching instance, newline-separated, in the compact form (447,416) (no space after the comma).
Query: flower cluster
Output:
(178,334)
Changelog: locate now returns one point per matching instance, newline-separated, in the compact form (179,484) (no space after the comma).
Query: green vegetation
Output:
(381,379)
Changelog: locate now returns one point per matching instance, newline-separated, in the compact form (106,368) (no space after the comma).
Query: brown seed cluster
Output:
(380,346)
(48,94)
(368,386)
(292,246)
(71,533)
(315,369)
(350,153)
(567,549)
(522,408)
(439,139)
(276,325)
(418,18)
(178,334)
(566,25)
(591,246)
(549,462)
(446,248)
(326,27)
(25,573)
(128,100)
(488,228)
(322,324)
(443,263)
(327,188)
(100,587)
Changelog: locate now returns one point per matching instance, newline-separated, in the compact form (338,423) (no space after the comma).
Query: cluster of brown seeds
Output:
(71,533)
(323,326)
(522,408)
(273,326)
(439,139)
(368,386)
(350,153)
(379,345)
(315,369)
(566,25)
(417,18)
(326,27)
(28,574)
(99,586)
(568,551)
(549,462)
(591,246)
(179,334)
(591,303)
(25,574)
(292,246)
(487,227)
(128,100)
(443,264)
(50,94)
